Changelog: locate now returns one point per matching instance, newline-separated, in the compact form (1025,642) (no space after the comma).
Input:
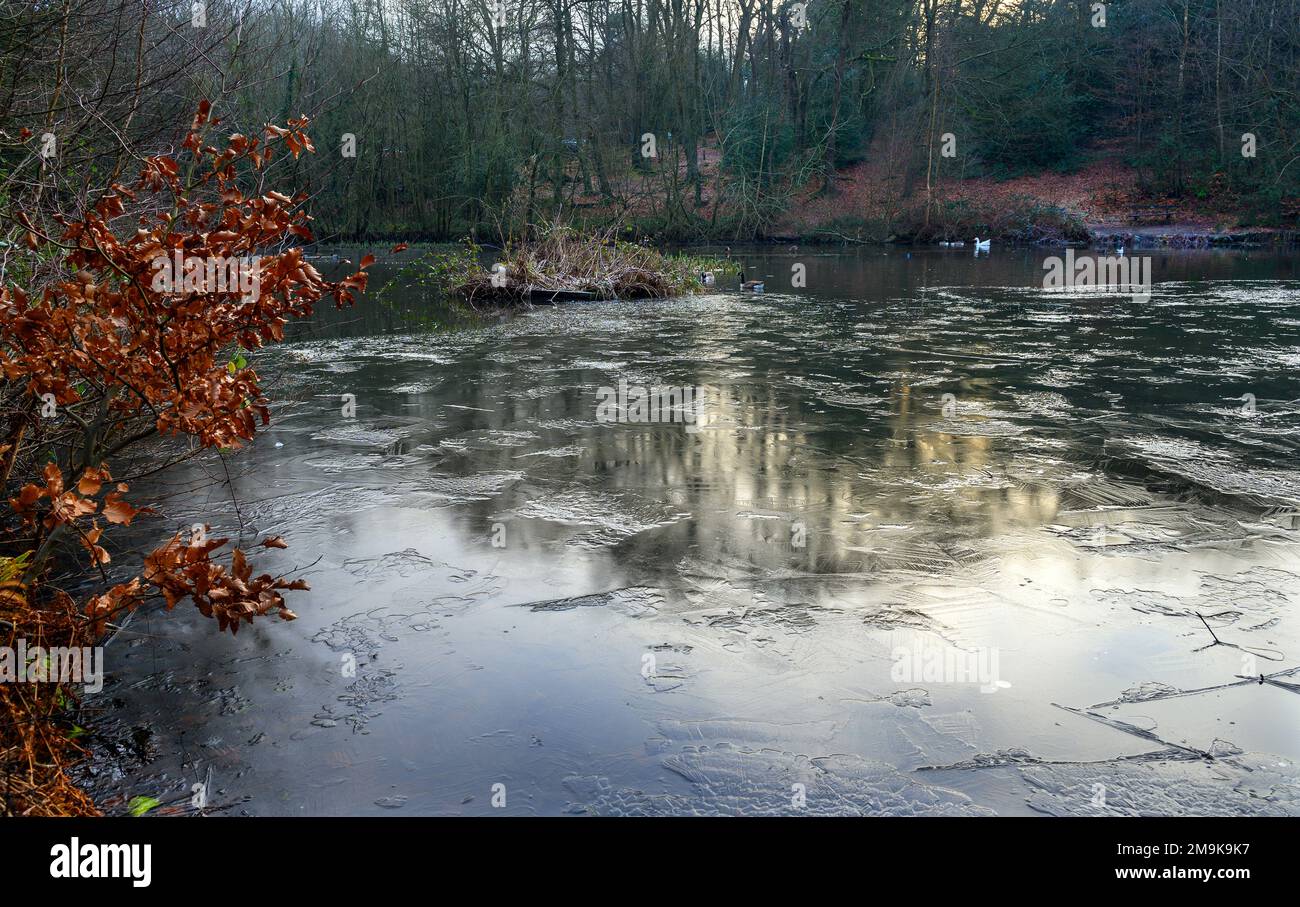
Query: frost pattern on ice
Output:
(1241,786)
(731,781)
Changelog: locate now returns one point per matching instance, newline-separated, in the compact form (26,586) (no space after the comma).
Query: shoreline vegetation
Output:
(1177,236)
(1049,208)
(112,369)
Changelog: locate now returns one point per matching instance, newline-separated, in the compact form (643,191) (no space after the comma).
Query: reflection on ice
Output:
(630,618)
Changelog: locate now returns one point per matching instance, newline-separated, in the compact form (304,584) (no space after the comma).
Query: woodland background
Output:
(465,126)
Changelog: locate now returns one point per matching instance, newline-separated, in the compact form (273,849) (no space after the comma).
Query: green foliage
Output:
(696,264)
(11,568)
(757,142)
(141,805)
(435,269)
(1021,105)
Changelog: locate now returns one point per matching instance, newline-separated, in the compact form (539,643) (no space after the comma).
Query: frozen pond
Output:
(938,542)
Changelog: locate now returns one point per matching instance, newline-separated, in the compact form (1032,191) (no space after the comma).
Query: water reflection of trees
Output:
(880,488)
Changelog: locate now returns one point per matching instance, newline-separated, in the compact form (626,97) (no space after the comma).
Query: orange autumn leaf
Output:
(118,511)
(91,481)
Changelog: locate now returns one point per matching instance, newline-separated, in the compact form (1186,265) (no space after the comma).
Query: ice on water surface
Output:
(931,550)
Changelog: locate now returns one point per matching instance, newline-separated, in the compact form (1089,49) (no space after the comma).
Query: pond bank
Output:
(1189,236)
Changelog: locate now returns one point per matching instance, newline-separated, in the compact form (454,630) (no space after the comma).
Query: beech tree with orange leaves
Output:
(122,360)
(106,357)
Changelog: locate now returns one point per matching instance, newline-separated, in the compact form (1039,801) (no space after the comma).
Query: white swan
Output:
(982,245)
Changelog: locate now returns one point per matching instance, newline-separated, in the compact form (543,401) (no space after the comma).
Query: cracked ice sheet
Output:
(729,781)
(1235,786)
(770,657)
(1254,718)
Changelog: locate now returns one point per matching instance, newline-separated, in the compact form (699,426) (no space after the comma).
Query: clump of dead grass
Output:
(38,745)
(564,260)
